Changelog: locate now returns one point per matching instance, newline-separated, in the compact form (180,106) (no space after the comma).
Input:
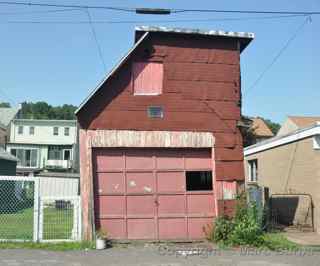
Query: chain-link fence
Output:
(27,215)
(16,209)
(59,219)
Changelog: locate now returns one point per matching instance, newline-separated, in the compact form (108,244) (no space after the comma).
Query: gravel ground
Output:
(158,255)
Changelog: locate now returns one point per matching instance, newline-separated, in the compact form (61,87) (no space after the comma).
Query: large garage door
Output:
(153,193)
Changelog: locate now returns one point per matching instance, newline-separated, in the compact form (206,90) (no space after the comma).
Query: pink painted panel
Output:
(171,205)
(171,181)
(172,228)
(114,227)
(141,205)
(170,159)
(138,182)
(139,159)
(196,227)
(202,205)
(147,78)
(110,183)
(141,229)
(198,159)
(111,205)
(107,160)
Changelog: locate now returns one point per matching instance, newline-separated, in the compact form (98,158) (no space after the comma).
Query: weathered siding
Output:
(293,168)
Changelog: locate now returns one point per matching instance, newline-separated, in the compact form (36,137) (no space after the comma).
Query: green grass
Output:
(277,241)
(62,246)
(57,224)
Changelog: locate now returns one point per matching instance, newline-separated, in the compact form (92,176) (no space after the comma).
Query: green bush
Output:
(245,228)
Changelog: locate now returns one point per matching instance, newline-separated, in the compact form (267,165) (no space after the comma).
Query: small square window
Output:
(31,130)
(253,170)
(199,180)
(55,131)
(20,130)
(155,112)
(66,131)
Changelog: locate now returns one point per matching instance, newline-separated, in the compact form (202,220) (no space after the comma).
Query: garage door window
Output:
(199,180)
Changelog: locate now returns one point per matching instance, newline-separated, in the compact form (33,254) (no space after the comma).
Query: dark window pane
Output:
(199,180)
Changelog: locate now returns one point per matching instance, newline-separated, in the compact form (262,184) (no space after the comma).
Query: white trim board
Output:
(278,141)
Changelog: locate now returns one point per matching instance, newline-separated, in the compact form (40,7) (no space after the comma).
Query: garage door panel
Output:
(170,205)
(196,227)
(111,160)
(114,227)
(140,182)
(111,206)
(139,159)
(202,205)
(172,228)
(170,159)
(141,229)
(110,183)
(171,181)
(198,159)
(141,205)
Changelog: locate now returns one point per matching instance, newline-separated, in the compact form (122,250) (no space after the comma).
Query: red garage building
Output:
(160,150)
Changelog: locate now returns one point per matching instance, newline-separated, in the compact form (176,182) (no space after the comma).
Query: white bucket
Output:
(100,243)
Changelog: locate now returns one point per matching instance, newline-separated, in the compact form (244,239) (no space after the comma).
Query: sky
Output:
(59,62)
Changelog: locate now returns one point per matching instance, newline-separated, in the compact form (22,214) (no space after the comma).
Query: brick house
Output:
(160,150)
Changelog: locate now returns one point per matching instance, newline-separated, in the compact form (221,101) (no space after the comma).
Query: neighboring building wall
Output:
(287,127)
(7,167)
(43,132)
(293,168)
(3,134)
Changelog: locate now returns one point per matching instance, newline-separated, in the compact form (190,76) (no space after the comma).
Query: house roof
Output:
(304,121)
(244,37)
(144,31)
(7,114)
(283,139)
(6,155)
(260,128)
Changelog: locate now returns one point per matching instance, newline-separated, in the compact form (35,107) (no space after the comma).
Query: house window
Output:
(26,157)
(55,131)
(20,130)
(147,78)
(66,131)
(31,130)
(54,153)
(199,180)
(253,170)
(155,112)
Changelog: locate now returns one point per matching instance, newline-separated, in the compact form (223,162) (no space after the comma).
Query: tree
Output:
(42,110)
(272,125)
(5,105)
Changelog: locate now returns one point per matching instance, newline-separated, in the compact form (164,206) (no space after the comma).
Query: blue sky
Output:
(59,63)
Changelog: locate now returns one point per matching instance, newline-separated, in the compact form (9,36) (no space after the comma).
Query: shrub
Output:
(244,229)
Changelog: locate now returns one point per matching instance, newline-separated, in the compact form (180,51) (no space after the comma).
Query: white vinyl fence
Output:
(39,209)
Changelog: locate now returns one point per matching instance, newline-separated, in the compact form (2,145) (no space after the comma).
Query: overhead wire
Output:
(274,60)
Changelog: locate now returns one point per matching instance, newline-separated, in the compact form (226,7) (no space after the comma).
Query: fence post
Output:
(36,195)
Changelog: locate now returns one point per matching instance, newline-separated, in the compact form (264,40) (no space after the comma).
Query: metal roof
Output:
(6,155)
(232,34)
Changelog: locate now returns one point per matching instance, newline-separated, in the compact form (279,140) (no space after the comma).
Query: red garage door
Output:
(153,193)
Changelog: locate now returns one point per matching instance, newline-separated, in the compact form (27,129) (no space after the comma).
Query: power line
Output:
(40,12)
(136,10)
(96,40)
(255,83)
(147,21)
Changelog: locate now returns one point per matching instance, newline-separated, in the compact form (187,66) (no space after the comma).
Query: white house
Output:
(44,145)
